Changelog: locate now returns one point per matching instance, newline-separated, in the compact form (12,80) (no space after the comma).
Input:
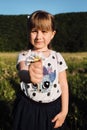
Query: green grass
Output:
(8,74)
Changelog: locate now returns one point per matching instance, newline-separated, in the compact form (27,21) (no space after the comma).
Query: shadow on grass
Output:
(5,115)
(6,108)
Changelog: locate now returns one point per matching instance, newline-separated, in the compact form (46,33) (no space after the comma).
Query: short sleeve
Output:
(61,63)
(22,57)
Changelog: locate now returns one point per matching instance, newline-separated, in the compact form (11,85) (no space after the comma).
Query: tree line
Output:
(71,33)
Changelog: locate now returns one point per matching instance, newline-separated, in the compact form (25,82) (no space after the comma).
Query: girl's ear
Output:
(53,34)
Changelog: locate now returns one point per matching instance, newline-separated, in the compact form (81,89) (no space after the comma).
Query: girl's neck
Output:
(41,50)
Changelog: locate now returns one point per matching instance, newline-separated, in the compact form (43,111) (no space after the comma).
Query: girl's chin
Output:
(40,49)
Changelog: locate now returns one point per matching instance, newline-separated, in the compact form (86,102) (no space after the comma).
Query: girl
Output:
(43,100)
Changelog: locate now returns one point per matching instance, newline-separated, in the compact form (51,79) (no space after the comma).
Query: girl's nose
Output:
(39,34)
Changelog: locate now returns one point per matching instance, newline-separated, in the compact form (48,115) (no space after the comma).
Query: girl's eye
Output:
(44,31)
(33,30)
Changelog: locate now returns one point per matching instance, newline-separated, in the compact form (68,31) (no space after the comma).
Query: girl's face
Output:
(40,39)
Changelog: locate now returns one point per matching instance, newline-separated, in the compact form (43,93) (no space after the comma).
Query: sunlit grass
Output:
(78,55)
(8,55)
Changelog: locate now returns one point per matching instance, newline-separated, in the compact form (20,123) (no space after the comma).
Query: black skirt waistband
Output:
(22,95)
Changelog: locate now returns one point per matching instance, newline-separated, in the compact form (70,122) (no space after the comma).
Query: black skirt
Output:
(31,115)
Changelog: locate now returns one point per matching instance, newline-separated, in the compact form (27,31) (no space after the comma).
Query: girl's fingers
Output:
(59,120)
(36,72)
(55,118)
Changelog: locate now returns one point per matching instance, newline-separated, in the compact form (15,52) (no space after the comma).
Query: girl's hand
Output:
(59,120)
(36,72)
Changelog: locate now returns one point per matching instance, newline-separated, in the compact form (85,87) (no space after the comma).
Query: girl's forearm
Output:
(24,76)
(65,100)
(65,92)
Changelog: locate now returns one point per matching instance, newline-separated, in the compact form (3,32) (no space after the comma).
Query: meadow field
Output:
(77,78)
